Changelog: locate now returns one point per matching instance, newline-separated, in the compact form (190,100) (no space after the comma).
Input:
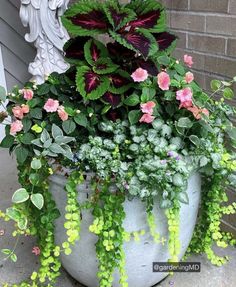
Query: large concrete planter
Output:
(82,263)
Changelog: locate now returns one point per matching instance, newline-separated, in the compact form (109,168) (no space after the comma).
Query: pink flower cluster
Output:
(147,109)
(36,250)
(27,94)
(16,127)
(20,111)
(140,75)
(163,80)
(186,101)
(188,60)
(52,106)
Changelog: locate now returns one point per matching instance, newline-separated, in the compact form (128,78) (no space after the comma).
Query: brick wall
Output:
(207,31)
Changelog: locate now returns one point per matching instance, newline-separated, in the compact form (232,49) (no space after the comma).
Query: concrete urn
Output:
(82,264)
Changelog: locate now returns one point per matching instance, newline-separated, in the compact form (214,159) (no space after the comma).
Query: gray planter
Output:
(82,263)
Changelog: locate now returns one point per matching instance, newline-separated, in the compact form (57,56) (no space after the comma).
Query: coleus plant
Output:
(137,34)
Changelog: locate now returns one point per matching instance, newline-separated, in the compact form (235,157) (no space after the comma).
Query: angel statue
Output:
(48,35)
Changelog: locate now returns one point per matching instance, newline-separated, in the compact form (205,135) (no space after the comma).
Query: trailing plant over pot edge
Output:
(131,114)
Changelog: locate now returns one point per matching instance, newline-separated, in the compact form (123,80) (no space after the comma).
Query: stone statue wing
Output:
(30,16)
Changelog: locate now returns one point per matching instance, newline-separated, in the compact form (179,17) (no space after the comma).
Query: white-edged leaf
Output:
(20,195)
(56,131)
(37,200)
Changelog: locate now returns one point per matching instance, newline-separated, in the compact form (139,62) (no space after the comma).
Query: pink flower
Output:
(17,112)
(148,107)
(163,80)
(28,94)
(197,112)
(147,118)
(140,75)
(36,250)
(25,109)
(62,113)
(189,77)
(188,60)
(51,106)
(185,97)
(16,127)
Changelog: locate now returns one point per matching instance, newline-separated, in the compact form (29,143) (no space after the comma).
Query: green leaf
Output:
(169,96)
(231,131)
(34,178)
(228,93)
(195,140)
(92,45)
(36,113)
(13,257)
(234,79)
(43,89)
(44,136)
(147,94)
(163,60)
(68,126)
(37,142)
(91,85)
(21,154)
(56,131)
(81,120)
(184,123)
(132,100)
(21,195)
(165,203)
(36,164)
(134,116)
(56,148)
(26,124)
(203,161)
(178,180)
(215,85)
(64,140)
(37,200)
(6,251)
(27,138)
(183,197)
(22,223)
(3,94)
(13,213)
(179,69)
(7,142)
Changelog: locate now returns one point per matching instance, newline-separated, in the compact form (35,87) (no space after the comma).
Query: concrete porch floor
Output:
(210,276)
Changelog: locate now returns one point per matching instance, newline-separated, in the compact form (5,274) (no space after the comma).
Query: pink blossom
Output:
(17,112)
(62,113)
(51,106)
(25,109)
(36,250)
(140,75)
(189,77)
(163,80)
(147,118)
(188,60)
(197,112)
(148,107)
(16,127)
(28,94)
(185,97)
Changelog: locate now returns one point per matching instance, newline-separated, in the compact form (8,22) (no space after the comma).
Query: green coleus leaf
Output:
(105,66)
(91,85)
(20,195)
(94,50)
(37,200)
(118,15)
(140,41)
(86,18)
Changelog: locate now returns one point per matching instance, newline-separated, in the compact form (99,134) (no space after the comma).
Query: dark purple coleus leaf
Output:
(117,50)
(164,40)
(146,65)
(92,81)
(138,41)
(95,52)
(112,99)
(118,81)
(116,16)
(147,20)
(74,49)
(95,19)
(113,115)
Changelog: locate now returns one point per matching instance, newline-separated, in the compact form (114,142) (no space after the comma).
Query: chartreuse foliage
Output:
(94,127)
